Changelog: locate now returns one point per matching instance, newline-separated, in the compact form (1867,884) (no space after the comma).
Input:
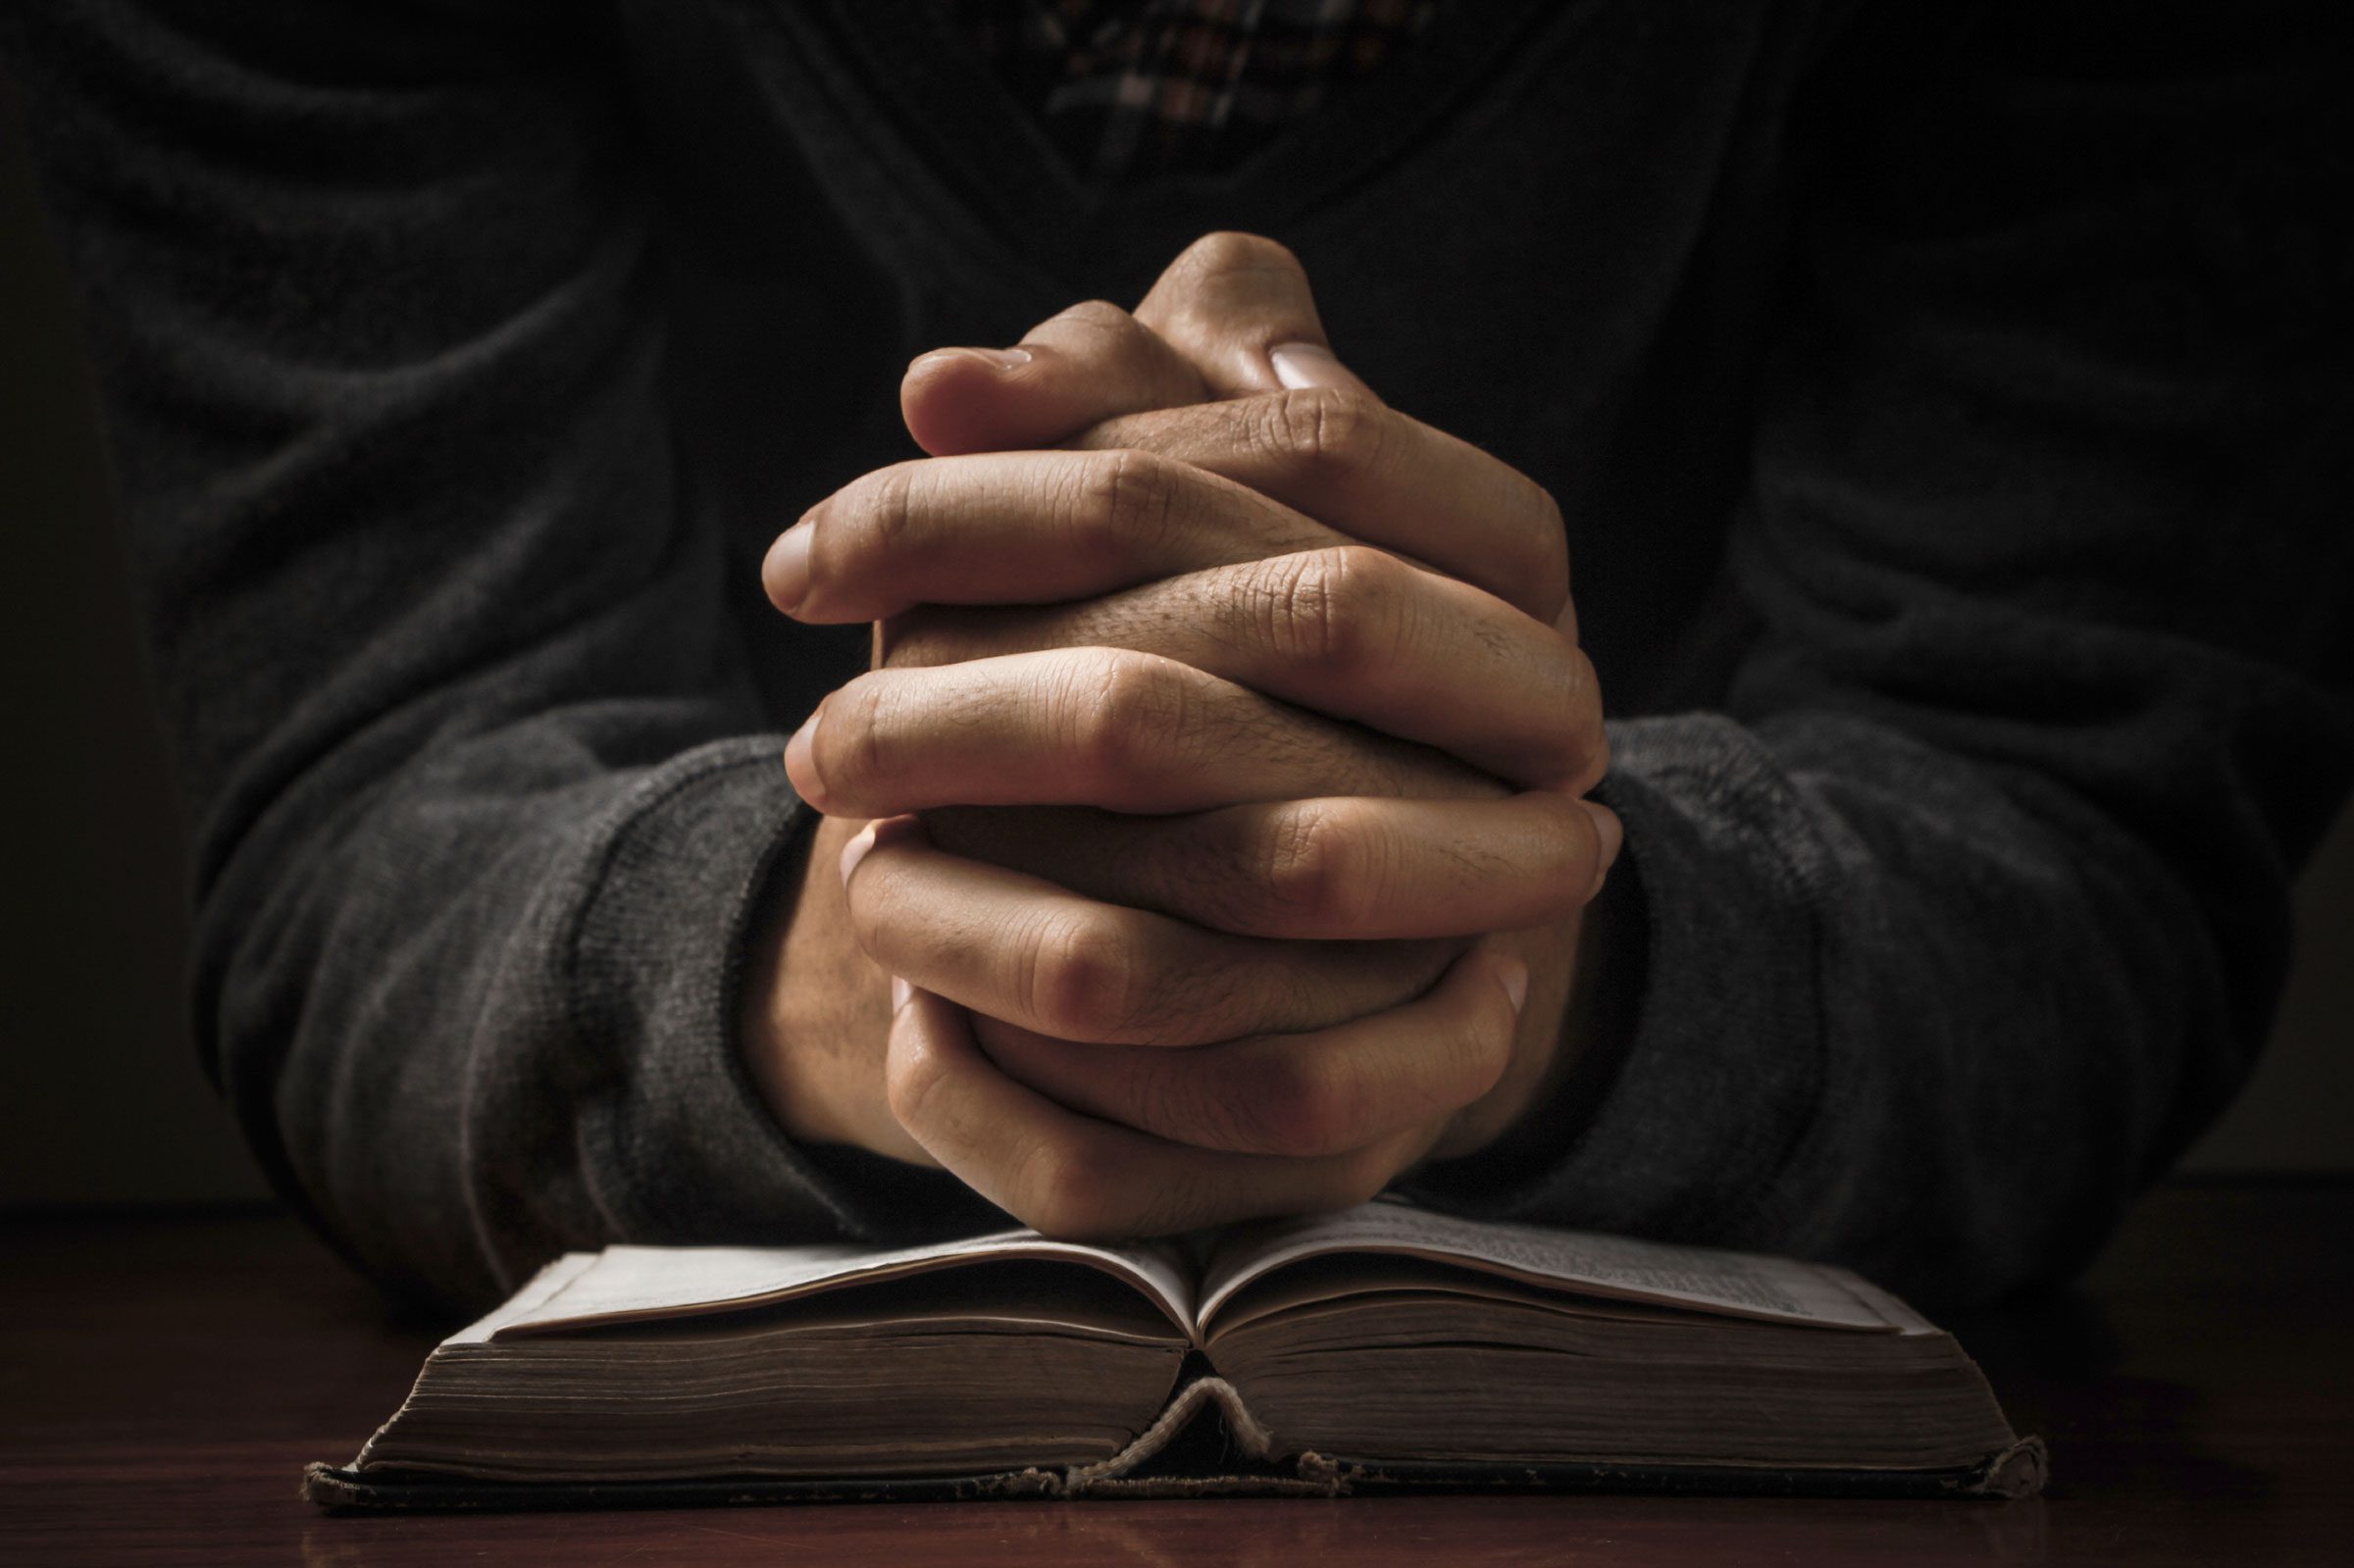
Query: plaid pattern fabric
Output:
(1137,87)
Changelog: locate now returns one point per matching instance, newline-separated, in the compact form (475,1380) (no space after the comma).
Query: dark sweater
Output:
(1950,404)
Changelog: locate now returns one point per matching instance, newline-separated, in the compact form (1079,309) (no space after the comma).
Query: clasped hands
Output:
(1209,839)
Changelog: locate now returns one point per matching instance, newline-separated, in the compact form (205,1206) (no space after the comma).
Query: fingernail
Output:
(1610,834)
(880,834)
(785,571)
(856,850)
(901,993)
(801,761)
(1300,366)
(1513,975)
(1003,359)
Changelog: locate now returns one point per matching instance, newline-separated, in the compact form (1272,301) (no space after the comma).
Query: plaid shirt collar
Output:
(1133,88)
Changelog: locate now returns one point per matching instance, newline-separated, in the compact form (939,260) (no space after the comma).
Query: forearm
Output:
(481,1019)
(1890,1013)
(813,1009)
(1968,907)
(483,799)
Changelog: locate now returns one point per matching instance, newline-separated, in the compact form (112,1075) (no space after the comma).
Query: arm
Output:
(1971,909)
(482,802)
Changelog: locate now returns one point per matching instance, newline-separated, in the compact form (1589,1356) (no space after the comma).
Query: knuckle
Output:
(1305,1104)
(1099,315)
(1063,1188)
(1196,291)
(1546,557)
(1583,742)
(1080,979)
(1324,428)
(857,735)
(1336,609)
(1130,500)
(1487,1057)
(1233,250)
(1133,716)
(1559,748)
(1474,1053)
(910,1078)
(1315,869)
(1567,868)
(885,516)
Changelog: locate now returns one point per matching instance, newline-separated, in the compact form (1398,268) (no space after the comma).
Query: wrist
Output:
(1585,972)
(815,1011)
(1539,1052)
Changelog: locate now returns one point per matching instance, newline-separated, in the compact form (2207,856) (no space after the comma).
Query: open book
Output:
(1384,1346)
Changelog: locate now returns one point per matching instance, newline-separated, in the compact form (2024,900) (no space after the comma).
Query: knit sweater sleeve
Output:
(1969,908)
(482,795)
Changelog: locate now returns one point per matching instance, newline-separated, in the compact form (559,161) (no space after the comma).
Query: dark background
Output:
(101,1099)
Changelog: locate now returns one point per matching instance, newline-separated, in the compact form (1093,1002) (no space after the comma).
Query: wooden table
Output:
(163,1378)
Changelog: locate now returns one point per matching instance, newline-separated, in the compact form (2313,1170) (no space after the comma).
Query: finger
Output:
(1238,307)
(1377,475)
(1018,527)
(1349,633)
(1170,492)
(1087,727)
(1071,1175)
(1327,870)
(1327,1092)
(1089,363)
(1050,960)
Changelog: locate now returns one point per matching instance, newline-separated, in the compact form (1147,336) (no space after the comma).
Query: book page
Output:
(627,1283)
(535,1293)
(1736,1284)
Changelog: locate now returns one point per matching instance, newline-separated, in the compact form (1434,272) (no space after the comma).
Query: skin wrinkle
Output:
(1472,862)
(1299,595)
(889,506)
(1138,499)
(1326,430)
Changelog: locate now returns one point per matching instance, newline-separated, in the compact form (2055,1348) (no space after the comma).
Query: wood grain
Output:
(163,1378)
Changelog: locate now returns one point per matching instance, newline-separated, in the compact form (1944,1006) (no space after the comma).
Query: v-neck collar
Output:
(960,120)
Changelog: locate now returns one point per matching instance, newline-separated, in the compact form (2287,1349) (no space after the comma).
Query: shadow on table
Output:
(2060,1369)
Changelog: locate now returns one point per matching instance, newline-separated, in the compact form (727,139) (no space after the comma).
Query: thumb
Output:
(1238,307)
(1092,363)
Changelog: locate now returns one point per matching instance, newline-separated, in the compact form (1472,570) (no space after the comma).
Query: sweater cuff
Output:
(1722,1075)
(683,1148)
